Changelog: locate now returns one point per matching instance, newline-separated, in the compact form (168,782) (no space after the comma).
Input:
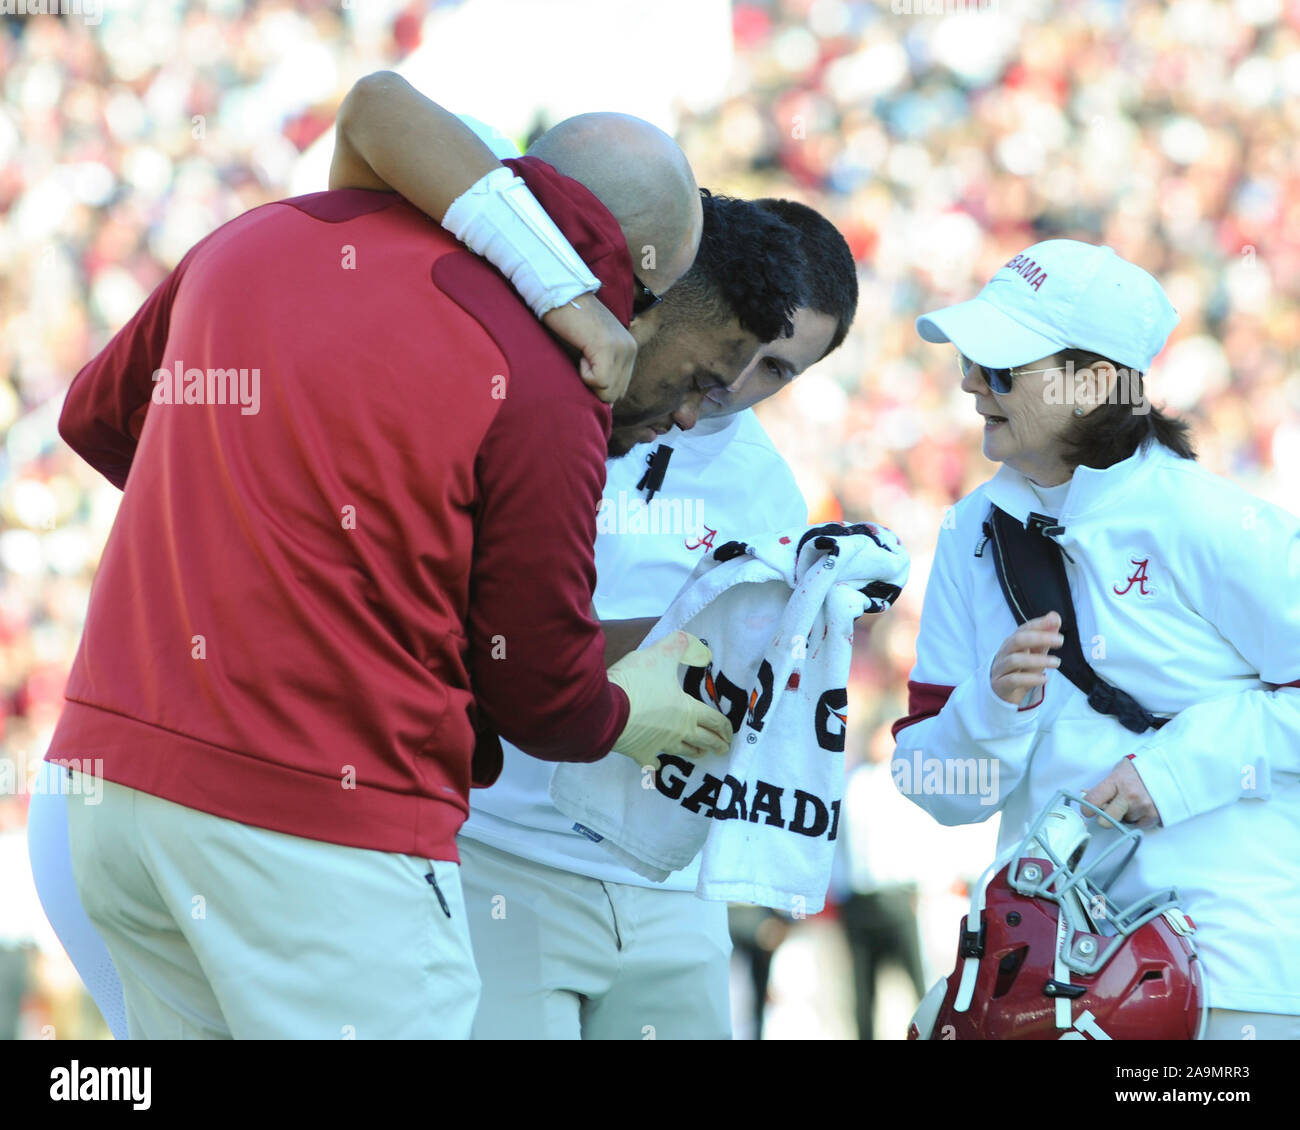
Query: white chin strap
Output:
(499,219)
(966,990)
(1060,971)
(970,967)
(1065,832)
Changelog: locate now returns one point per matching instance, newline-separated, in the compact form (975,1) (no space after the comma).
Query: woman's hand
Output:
(606,350)
(1021,663)
(1124,798)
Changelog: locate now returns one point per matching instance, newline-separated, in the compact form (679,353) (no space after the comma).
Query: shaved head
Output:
(641,175)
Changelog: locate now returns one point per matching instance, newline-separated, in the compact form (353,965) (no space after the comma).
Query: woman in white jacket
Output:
(1186,592)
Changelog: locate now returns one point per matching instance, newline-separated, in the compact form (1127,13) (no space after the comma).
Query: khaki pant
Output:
(220,930)
(565,957)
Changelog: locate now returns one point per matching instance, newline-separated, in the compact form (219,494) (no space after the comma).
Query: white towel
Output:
(778,615)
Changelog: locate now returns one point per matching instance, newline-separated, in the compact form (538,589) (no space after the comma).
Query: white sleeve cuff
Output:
(1152,765)
(998,718)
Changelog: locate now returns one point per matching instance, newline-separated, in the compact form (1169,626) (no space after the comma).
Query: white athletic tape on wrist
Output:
(499,219)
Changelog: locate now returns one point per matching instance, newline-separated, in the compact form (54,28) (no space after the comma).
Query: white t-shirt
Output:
(725,482)
(1052,498)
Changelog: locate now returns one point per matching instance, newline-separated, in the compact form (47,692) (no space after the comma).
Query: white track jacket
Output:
(1187,594)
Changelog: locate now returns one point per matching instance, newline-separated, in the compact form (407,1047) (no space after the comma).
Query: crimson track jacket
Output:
(316,591)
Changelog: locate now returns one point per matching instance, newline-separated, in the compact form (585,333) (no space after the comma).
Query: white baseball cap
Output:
(1059,294)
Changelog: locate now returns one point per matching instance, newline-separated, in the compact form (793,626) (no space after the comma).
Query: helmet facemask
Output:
(1060,838)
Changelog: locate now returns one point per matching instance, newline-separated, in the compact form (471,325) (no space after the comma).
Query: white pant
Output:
(565,957)
(51,860)
(1227,1024)
(219,929)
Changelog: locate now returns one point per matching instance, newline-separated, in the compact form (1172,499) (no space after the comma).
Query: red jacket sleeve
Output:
(537,656)
(104,410)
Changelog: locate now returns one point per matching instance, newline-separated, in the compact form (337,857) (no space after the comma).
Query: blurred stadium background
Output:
(940,136)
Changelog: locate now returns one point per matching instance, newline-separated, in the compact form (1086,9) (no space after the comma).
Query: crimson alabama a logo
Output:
(1138,580)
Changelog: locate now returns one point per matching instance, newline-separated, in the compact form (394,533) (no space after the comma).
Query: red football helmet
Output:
(1051,959)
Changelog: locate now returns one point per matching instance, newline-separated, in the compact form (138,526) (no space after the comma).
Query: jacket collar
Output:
(1091,490)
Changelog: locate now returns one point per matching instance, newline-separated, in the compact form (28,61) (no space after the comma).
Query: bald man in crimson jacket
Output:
(360,493)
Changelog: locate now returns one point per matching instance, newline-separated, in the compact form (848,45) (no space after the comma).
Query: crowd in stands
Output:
(941,138)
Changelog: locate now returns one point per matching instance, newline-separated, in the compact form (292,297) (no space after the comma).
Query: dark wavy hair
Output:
(749,267)
(830,277)
(1112,432)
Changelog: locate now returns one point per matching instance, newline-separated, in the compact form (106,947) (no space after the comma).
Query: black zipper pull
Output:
(657,466)
(442,902)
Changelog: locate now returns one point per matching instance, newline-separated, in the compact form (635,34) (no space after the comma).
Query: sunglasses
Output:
(999,380)
(643,298)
